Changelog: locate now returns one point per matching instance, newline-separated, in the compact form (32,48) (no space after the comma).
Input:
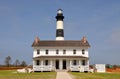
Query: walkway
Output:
(63,75)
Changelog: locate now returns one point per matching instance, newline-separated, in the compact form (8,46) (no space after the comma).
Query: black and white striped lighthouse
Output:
(59,29)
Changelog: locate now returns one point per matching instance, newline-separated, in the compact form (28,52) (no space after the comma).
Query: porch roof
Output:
(57,57)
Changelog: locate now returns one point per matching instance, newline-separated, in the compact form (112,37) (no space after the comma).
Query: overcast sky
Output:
(22,20)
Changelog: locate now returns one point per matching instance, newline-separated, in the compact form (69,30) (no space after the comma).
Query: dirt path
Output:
(63,75)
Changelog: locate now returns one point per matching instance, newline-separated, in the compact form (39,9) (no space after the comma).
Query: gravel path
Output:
(63,75)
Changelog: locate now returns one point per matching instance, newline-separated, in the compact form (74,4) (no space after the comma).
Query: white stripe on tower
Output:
(59,28)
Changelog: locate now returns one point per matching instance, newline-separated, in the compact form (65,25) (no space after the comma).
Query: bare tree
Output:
(17,63)
(7,61)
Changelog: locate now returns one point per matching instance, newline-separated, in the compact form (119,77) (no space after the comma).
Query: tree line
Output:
(8,62)
(112,66)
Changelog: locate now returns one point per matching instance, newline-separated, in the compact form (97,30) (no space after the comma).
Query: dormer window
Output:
(38,51)
(83,51)
(74,51)
(46,52)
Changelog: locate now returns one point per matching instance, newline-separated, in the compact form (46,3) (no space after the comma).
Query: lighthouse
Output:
(59,25)
(60,54)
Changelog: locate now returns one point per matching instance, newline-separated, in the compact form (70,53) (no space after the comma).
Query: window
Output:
(64,51)
(74,62)
(46,51)
(57,51)
(46,62)
(38,51)
(74,51)
(83,51)
(37,62)
(83,62)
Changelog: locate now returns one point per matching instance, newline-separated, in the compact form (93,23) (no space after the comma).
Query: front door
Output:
(64,64)
(57,64)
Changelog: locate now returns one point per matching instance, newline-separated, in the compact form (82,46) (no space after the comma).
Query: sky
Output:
(23,20)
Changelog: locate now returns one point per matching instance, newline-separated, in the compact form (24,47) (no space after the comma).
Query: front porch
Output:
(54,64)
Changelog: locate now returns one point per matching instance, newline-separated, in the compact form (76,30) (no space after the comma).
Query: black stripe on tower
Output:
(59,17)
(59,33)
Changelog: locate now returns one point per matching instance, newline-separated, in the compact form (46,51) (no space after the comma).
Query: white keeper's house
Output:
(60,54)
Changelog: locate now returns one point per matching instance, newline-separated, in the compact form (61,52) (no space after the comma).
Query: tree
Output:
(23,63)
(7,61)
(17,62)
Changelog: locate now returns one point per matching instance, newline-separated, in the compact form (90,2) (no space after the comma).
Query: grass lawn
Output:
(10,74)
(78,75)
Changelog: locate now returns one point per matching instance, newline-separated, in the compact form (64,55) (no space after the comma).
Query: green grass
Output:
(10,74)
(78,75)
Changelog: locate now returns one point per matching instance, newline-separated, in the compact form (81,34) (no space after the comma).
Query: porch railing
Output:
(42,68)
(79,68)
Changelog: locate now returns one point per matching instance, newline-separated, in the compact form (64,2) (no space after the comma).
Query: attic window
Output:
(46,51)
(64,51)
(57,51)
(38,51)
(83,51)
(74,51)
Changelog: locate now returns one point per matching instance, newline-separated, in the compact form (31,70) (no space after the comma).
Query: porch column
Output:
(70,63)
(41,62)
(88,62)
(34,64)
(50,62)
(41,65)
(67,64)
(50,65)
(60,64)
(79,62)
(53,64)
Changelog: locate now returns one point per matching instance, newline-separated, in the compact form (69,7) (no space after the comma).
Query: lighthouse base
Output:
(59,38)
